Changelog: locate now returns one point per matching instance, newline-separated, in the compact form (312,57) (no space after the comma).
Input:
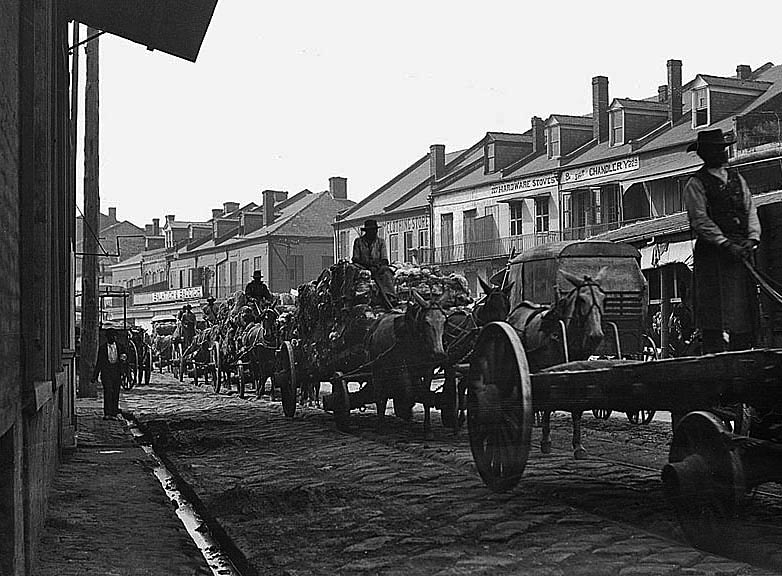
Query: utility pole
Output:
(89,268)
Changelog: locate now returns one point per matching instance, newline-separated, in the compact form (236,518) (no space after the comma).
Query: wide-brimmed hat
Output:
(188,307)
(370,225)
(714,138)
(210,299)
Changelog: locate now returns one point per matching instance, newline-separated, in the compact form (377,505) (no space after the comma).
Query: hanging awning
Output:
(668,166)
(662,253)
(175,27)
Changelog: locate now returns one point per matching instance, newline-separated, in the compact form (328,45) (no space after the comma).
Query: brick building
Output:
(289,239)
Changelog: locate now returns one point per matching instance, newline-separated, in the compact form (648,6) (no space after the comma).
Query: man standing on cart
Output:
(727,229)
(258,291)
(369,251)
(188,325)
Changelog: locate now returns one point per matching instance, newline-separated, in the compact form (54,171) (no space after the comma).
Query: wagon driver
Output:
(369,251)
(210,310)
(188,325)
(725,222)
(258,291)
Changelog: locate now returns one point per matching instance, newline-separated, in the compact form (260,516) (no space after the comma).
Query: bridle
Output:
(592,285)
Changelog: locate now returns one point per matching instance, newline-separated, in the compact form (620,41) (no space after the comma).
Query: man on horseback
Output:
(258,291)
(723,216)
(369,251)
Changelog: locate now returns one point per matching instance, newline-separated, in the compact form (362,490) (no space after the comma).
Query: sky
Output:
(284,95)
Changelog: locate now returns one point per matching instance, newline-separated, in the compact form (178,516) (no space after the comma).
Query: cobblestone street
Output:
(299,497)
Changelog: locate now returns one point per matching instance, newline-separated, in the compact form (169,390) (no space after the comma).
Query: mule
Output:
(581,310)
(403,347)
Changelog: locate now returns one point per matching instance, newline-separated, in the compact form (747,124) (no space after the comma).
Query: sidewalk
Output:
(108,514)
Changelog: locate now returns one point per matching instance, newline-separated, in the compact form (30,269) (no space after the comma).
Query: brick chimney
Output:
(229,207)
(743,72)
(216,213)
(156,226)
(112,214)
(600,108)
(250,222)
(436,161)
(674,90)
(269,197)
(538,136)
(338,187)
(662,93)
(169,218)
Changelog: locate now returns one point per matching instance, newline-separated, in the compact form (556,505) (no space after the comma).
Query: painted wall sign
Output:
(405,224)
(168,295)
(524,184)
(598,170)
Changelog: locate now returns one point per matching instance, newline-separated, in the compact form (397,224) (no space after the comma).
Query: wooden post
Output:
(89,269)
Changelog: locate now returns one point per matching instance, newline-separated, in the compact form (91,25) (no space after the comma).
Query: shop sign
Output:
(406,224)
(168,295)
(525,184)
(599,170)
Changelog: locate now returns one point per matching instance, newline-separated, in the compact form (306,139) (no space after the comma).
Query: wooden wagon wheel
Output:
(601,413)
(704,480)
(286,378)
(449,401)
(640,416)
(499,406)
(214,357)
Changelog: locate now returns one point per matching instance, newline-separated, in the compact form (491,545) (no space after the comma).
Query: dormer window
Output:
(617,120)
(553,142)
(700,107)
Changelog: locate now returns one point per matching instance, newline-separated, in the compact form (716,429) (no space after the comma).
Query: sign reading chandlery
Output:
(598,170)
(168,295)
(525,184)
(405,224)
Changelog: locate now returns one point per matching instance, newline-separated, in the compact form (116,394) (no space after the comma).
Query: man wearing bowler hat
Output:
(369,251)
(725,223)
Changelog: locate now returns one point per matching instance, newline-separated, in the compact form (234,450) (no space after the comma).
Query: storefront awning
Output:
(176,27)
(664,253)
(664,167)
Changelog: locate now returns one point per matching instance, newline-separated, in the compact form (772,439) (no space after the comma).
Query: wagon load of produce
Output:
(432,284)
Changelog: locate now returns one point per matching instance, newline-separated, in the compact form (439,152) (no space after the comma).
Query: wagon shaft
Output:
(679,384)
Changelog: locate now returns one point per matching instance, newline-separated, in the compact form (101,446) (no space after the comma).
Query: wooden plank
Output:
(752,376)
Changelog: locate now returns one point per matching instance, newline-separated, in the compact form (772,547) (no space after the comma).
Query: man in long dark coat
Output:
(725,222)
(108,365)
(369,251)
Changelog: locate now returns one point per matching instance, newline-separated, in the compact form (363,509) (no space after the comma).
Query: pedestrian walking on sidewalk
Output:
(111,355)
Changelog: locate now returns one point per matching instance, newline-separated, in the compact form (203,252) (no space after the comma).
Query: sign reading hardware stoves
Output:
(168,295)
(599,170)
(524,184)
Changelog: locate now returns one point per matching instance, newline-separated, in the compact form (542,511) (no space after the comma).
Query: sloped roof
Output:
(652,105)
(729,82)
(572,120)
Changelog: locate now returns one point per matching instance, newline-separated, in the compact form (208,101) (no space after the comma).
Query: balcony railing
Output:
(485,249)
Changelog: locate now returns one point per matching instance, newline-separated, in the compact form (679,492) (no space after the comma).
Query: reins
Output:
(766,284)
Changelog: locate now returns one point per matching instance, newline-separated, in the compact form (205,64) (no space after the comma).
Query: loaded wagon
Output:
(337,328)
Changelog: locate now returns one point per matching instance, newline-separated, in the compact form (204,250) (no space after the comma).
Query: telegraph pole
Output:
(91,221)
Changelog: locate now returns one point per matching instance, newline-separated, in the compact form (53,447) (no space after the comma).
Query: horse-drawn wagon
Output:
(343,335)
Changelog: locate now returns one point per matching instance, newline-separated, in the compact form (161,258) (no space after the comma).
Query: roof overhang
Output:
(176,27)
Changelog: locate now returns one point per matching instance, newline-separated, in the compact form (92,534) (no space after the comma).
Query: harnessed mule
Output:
(581,311)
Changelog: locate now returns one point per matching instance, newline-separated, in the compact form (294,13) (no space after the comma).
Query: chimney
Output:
(250,222)
(216,213)
(147,229)
(229,207)
(112,214)
(436,161)
(662,93)
(338,187)
(169,218)
(156,226)
(743,72)
(600,108)
(268,206)
(538,136)
(675,90)
(280,196)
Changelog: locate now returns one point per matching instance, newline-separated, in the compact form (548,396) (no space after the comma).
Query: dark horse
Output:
(581,311)
(402,348)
